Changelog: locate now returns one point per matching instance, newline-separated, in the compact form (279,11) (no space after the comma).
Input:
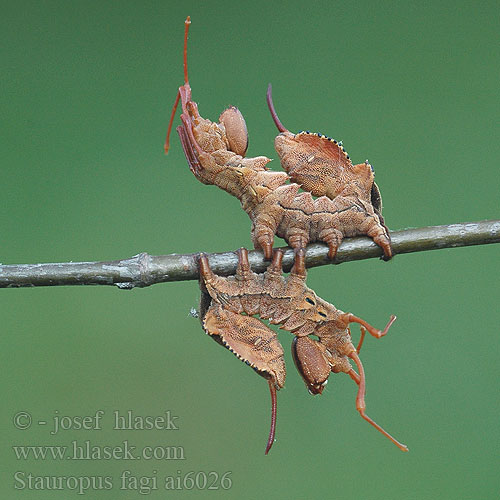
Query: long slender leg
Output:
(187,22)
(192,149)
(360,401)
(361,339)
(188,127)
(166,147)
(354,376)
(191,157)
(184,95)
(350,318)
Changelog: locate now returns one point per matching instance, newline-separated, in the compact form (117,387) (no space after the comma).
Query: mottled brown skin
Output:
(215,154)
(321,166)
(228,309)
(273,205)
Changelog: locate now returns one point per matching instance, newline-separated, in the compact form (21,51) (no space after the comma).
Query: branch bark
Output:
(144,270)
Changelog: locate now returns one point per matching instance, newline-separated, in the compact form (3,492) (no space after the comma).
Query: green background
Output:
(86,91)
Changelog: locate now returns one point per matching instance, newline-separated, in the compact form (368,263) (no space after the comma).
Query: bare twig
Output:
(144,269)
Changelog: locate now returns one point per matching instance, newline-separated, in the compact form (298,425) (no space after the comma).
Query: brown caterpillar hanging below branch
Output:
(215,154)
(227,312)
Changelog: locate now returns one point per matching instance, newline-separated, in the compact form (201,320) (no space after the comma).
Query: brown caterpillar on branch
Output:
(349,202)
(227,312)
